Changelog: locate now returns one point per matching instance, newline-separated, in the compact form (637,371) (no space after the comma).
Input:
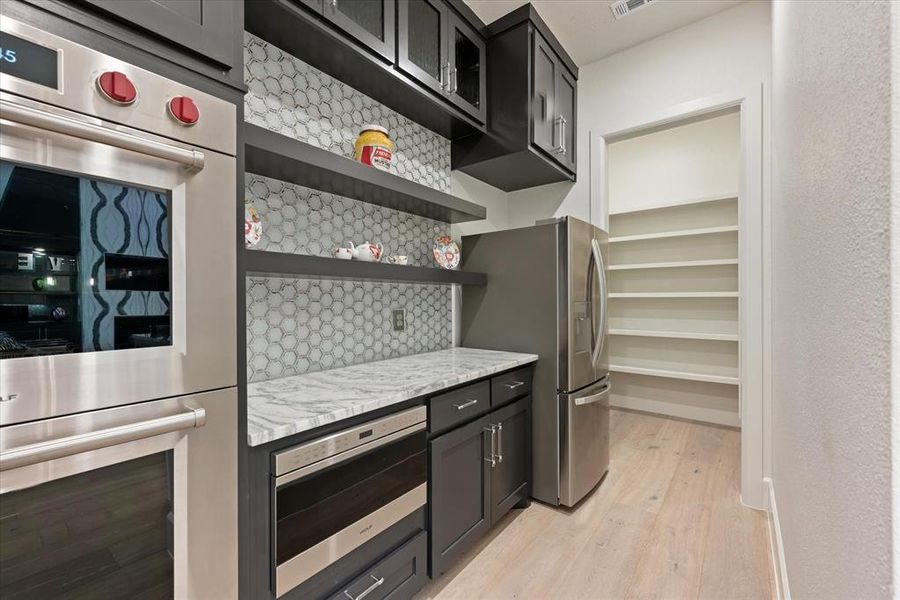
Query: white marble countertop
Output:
(282,407)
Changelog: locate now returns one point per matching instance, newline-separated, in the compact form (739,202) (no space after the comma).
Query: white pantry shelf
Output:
(677,203)
(674,264)
(671,234)
(675,374)
(674,295)
(679,335)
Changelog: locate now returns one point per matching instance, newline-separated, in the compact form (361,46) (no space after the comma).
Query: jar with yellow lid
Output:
(374,147)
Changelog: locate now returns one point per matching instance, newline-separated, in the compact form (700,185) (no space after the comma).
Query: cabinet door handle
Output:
(445,81)
(454,81)
(561,147)
(466,404)
(493,457)
(499,442)
(334,3)
(369,589)
(514,385)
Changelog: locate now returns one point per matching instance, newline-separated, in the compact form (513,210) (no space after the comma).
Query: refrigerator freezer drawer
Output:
(585,443)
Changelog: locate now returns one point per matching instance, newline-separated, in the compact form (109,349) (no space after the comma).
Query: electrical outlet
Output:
(398,317)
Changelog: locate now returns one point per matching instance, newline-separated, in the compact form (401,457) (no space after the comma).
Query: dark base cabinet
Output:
(479,471)
(460,491)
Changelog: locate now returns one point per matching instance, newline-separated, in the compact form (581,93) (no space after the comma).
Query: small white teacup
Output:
(398,259)
(343,253)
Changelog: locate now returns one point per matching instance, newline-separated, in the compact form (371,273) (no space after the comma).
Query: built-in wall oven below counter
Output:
(118,406)
(333,494)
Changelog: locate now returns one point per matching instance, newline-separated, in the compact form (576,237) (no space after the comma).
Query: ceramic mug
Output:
(343,253)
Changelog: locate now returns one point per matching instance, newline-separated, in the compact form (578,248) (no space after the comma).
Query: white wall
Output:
(494,199)
(831,197)
(727,50)
(697,160)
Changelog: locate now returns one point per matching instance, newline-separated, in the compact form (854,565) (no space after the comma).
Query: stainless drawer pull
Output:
(465,404)
(514,385)
(366,591)
(493,458)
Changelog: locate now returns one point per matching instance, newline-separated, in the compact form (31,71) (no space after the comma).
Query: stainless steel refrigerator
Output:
(547,294)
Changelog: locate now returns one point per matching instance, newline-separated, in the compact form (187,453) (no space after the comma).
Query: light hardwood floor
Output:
(666,523)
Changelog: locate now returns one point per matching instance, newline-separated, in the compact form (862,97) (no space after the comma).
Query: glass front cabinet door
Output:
(370,22)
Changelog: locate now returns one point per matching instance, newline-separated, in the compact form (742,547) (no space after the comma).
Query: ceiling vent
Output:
(626,7)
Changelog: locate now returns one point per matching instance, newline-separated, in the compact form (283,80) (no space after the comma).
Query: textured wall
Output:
(301,326)
(291,97)
(832,303)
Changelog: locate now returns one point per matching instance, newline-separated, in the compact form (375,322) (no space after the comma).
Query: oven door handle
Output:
(31,454)
(25,115)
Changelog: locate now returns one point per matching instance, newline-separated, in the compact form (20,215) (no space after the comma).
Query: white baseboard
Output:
(682,411)
(777,545)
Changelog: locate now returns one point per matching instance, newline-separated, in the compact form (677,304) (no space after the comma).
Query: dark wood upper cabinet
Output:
(565,117)
(210,28)
(543,95)
(422,42)
(370,22)
(531,98)
(440,50)
(466,84)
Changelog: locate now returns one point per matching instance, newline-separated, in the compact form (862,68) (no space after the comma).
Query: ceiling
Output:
(587,29)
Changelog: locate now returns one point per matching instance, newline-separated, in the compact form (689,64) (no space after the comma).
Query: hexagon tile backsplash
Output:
(290,97)
(299,326)
(301,220)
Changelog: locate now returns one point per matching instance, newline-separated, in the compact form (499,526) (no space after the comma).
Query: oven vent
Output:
(622,8)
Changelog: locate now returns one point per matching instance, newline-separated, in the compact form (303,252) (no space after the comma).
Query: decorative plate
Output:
(446,252)
(252,225)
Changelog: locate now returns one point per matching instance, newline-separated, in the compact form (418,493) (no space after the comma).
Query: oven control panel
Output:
(50,69)
(332,446)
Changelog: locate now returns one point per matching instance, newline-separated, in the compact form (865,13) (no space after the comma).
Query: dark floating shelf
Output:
(280,157)
(280,264)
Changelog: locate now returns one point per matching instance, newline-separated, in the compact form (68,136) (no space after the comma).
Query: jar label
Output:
(376,156)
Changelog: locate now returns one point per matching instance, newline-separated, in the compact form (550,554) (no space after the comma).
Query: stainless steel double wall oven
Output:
(118,444)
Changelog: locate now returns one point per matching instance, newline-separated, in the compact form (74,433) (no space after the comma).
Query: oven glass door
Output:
(106,533)
(327,514)
(117,265)
(84,264)
(128,502)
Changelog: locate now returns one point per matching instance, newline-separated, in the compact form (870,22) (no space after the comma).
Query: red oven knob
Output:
(184,110)
(116,87)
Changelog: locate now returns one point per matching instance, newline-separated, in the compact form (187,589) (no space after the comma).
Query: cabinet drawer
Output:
(509,386)
(459,405)
(400,574)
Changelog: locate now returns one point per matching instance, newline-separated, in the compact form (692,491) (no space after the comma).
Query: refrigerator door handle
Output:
(601,278)
(582,401)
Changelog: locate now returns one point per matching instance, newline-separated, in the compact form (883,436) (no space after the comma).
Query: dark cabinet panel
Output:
(543,106)
(458,406)
(370,22)
(466,82)
(460,491)
(211,28)
(422,42)
(512,448)
(531,108)
(565,118)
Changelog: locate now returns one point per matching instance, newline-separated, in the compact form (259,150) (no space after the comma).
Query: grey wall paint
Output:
(301,326)
(832,266)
